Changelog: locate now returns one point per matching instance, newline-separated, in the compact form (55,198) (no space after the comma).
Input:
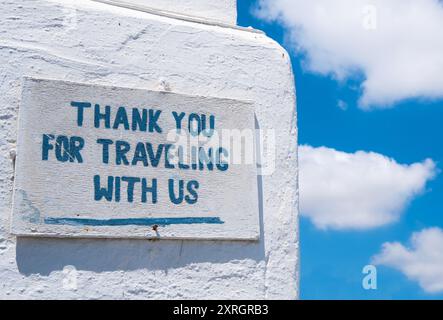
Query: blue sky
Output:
(403,127)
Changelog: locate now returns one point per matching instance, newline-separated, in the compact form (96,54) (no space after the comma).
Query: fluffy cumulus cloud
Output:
(422,261)
(395,44)
(359,190)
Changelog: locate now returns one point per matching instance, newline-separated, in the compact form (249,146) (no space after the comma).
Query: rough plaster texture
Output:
(84,41)
(218,10)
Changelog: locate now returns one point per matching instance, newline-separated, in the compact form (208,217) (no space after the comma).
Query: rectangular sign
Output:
(96,161)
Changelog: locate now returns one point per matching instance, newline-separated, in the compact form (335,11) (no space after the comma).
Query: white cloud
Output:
(342,105)
(359,190)
(422,261)
(398,47)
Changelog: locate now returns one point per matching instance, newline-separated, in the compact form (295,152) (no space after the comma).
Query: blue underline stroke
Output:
(132,221)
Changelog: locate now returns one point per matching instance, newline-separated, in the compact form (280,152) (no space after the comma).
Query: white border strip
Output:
(174,15)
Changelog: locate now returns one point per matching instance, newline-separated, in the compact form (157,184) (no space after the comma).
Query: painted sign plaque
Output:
(97,161)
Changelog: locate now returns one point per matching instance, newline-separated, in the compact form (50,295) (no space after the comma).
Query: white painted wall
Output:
(218,10)
(84,41)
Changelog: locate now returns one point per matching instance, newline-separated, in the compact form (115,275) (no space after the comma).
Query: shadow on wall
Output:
(43,256)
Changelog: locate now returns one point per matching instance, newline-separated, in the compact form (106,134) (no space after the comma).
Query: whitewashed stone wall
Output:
(217,10)
(85,41)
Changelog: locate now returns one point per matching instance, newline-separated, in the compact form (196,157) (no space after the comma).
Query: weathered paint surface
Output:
(218,10)
(102,161)
(94,43)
